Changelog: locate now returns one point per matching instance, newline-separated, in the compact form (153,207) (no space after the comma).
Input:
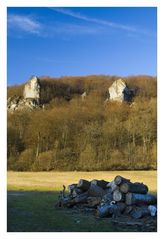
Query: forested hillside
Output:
(75,134)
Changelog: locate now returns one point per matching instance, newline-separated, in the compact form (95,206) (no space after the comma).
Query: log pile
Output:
(111,199)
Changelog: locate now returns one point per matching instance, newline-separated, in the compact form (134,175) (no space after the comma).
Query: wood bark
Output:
(119,179)
(133,188)
(38,146)
(77,191)
(96,191)
(83,184)
(100,183)
(110,209)
(113,186)
(65,201)
(108,190)
(104,211)
(118,208)
(140,199)
(81,198)
(93,201)
(108,197)
(128,209)
(71,187)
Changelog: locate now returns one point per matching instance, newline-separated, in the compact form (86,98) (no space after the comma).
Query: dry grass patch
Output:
(53,181)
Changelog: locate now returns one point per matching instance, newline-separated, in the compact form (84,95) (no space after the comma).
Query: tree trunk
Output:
(109,209)
(100,183)
(83,184)
(93,201)
(72,187)
(118,208)
(81,198)
(104,211)
(119,180)
(38,146)
(112,185)
(128,209)
(133,188)
(118,196)
(107,198)
(96,191)
(74,191)
(77,191)
(108,190)
(140,199)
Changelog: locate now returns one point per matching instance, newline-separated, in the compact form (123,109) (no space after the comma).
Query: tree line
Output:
(75,134)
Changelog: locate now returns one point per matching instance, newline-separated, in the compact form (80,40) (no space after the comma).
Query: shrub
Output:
(25,160)
(44,162)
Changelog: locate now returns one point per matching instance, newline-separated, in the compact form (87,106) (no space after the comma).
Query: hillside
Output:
(72,133)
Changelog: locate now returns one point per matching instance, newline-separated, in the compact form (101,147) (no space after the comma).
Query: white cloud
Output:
(73,29)
(24,23)
(28,24)
(124,27)
(77,15)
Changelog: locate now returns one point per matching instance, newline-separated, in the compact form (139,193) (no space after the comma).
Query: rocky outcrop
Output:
(32,89)
(30,99)
(119,91)
(83,96)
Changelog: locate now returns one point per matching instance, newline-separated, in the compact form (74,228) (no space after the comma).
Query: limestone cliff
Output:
(30,99)
(119,91)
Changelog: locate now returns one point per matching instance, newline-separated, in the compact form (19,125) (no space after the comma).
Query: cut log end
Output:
(83,184)
(118,196)
(119,179)
(101,183)
(133,188)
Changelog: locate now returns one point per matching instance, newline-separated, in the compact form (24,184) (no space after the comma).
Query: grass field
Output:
(32,197)
(53,181)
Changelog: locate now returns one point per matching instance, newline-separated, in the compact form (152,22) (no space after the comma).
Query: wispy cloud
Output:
(88,26)
(80,16)
(24,23)
(73,29)
(100,22)
(27,24)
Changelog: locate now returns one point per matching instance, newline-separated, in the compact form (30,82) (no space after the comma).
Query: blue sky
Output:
(81,41)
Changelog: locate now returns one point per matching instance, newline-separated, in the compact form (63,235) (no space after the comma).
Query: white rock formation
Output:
(84,95)
(118,91)
(30,99)
(32,89)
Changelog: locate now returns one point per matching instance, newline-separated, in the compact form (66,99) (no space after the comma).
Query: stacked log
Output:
(111,199)
(83,184)
(118,196)
(120,180)
(96,191)
(113,186)
(140,199)
(139,212)
(133,188)
(101,183)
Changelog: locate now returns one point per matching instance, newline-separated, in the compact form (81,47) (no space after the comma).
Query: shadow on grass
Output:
(33,211)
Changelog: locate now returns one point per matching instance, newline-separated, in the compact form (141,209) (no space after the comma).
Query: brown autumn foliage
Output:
(71,134)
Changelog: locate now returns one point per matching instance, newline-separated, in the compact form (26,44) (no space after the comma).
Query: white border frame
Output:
(3,83)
